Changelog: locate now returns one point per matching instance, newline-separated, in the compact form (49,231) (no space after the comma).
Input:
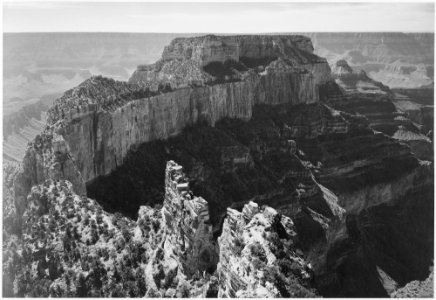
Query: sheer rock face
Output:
(189,242)
(251,245)
(221,48)
(47,157)
(102,119)
(206,60)
(92,128)
(104,138)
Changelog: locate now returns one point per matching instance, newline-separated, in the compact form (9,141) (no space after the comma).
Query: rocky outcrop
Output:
(189,242)
(259,135)
(102,119)
(212,48)
(210,59)
(258,256)
(417,289)
(227,163)
(47,157)
(71,247)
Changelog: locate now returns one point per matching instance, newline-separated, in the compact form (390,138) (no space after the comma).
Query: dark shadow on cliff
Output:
(396,239)
(236,161)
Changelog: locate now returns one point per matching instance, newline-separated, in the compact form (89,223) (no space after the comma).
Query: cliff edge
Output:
(102,119)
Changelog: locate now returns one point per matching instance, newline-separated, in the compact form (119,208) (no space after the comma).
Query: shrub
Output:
(238,245)
(257,250)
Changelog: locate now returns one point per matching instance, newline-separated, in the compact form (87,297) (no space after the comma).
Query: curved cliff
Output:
(250,112)
(102,119)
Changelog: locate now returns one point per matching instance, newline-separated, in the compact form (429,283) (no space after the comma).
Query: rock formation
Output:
(248,125)
(187,221)
(211,59)
(417,289)
(389,112)
(103,119)
(258,256)
(84,250)
(398,60)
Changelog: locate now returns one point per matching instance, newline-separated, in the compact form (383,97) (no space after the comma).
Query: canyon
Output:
(398,60)
(41,66)
(298,180)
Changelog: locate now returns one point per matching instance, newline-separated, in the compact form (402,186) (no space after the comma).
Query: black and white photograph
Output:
(218,149)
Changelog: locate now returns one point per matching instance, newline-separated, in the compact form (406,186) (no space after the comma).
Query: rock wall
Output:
(252,245)
(101,120)
(212,48)
(100,140)
(47,157)
(208,59)
(189,241)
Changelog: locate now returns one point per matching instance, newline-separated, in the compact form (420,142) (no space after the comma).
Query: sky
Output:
(225,17)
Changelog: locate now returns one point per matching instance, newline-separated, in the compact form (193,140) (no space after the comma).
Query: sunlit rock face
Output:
(47,157)
(329,189)
(187,222)
(211,59)
(258,256)
(70,246)
(102,119)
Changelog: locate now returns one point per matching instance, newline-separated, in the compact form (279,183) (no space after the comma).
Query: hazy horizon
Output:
(208,33)
(220,18)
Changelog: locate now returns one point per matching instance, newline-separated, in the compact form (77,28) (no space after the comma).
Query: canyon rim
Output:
(237,165)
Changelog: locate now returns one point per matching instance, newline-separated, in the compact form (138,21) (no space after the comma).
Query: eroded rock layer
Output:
(395,114)
(258,256)
(70,247)
(102,119)
(324,190)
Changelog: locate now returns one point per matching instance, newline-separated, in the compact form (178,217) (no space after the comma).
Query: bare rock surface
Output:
(70,247)
(320,200)
(258,256)
(417,289)
(103,119)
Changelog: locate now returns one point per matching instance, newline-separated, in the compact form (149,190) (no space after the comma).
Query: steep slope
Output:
(70,247)
(391,113)
(336,189)
(103,119)
(370,175)
(418,289)
(258,257)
